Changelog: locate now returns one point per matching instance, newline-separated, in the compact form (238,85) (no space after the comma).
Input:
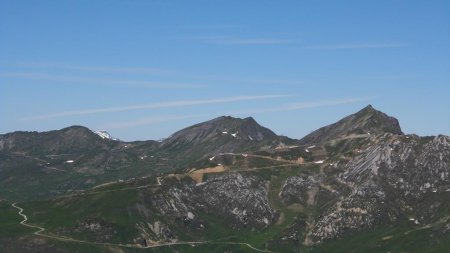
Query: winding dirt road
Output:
(67,239)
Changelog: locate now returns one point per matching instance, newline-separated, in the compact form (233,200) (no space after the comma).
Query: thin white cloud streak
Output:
(146,121)
(258,41)
(166,104)
(288,107)
(304,105)
(225,40)
(356,46)
(203,27)
(103,69)
(100,81)
(136,70)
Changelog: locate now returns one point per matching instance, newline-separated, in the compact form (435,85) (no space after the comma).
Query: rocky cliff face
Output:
(392,178)
(240,200)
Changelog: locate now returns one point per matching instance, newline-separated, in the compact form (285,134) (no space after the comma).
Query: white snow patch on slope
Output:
(105,135)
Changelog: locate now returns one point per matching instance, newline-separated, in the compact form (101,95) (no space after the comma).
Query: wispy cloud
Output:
(65,75)
(100,81)
(203,27)
(287,107)
(304,105)
(356,46)
(178,103)
(146,121)
(225,40)
(102,69)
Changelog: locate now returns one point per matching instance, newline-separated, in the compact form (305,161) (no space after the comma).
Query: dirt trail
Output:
(68,239)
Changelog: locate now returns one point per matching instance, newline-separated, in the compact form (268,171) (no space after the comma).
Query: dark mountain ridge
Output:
(359,178)
(366,121)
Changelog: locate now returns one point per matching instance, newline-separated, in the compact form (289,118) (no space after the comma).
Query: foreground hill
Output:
(359,185)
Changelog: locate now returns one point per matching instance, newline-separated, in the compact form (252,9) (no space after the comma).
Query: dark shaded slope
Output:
(366,121)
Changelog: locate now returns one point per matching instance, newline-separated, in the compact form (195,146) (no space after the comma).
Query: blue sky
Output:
(142,69)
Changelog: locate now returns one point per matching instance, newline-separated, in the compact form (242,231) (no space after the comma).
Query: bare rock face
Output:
(295,190)
(240,200)
(154,232)
(401,176)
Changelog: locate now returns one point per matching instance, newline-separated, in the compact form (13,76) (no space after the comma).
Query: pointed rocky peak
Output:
(224,127)
(371,119)
(367,121)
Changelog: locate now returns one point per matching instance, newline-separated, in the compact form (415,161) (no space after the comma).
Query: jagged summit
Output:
(366,121)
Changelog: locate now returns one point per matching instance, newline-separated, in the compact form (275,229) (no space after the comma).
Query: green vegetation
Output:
(9,222)
(397,238)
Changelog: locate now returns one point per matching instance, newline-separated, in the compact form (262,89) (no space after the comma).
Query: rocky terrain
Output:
(232,185)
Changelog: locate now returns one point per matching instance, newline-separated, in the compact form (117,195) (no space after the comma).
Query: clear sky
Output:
(142,69)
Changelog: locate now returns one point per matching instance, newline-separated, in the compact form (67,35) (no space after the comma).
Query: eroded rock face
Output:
(399,176)
(154,232)
(240,199)
(298,189)
(357,211)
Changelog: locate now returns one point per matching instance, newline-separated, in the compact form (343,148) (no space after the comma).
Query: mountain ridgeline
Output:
(366,121)
(230,185)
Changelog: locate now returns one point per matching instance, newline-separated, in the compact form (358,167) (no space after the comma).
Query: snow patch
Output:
(105,135)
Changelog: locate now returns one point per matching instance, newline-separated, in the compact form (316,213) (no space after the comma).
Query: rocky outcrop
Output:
(239,199)
(391,179)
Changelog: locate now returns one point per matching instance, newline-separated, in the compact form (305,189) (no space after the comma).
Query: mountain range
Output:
(227,185)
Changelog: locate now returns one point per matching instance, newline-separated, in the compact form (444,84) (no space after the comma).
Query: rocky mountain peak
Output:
(366,121)
(222,127)
(376,121)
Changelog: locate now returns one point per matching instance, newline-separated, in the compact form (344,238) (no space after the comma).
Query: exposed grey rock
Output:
(239,199)
(391,178)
